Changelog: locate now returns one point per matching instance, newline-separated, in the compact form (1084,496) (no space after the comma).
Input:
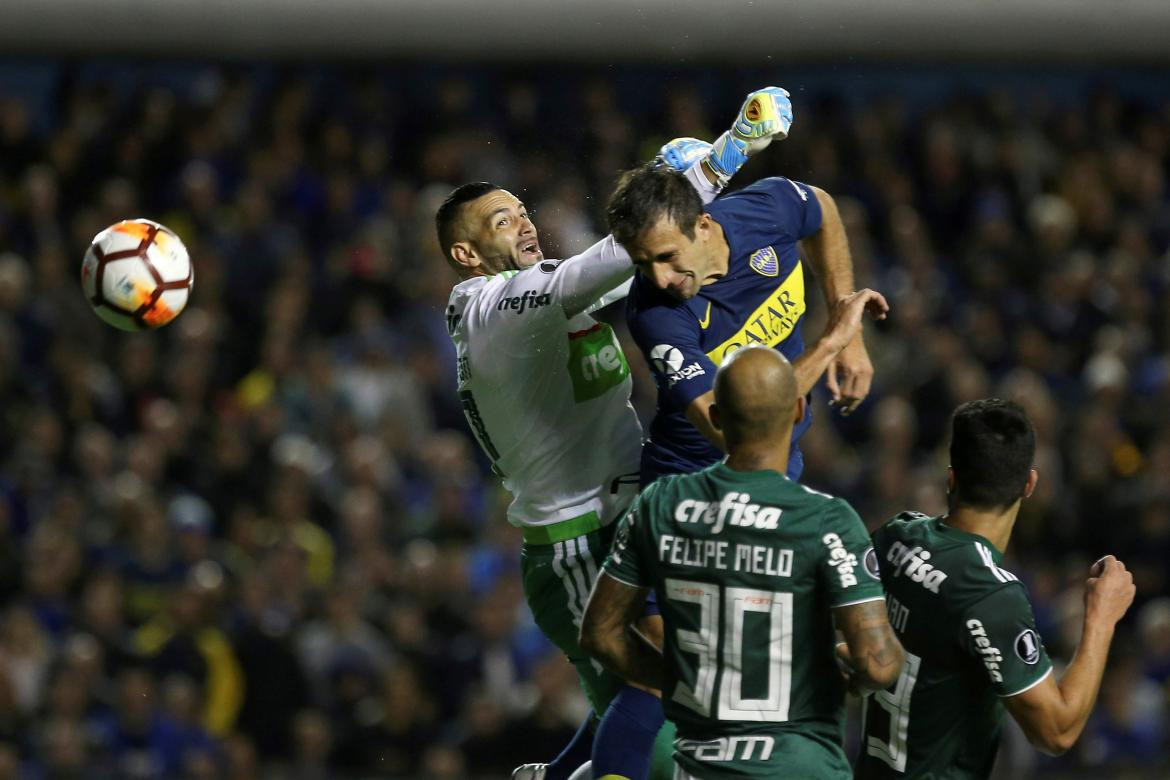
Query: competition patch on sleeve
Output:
(765,262)
(1028,646)
(870,561)
(667,362)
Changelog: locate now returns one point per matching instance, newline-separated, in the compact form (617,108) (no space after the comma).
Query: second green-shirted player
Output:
(970,637)
(972,649)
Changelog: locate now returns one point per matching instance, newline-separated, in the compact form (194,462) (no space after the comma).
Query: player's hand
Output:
(849,376)
(765,114)
(845,666)
(1109,591)
(681,153)
(845,318)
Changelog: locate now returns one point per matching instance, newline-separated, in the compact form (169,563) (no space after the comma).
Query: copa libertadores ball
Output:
(137,275)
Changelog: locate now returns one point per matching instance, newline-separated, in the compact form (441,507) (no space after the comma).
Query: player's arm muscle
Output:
(1053,714)
(812,364)
(828,249)
(875,656)
(607,633)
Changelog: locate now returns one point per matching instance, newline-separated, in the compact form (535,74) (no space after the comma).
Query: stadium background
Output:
(260,543)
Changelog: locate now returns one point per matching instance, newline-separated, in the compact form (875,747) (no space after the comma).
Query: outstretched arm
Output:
(765,115)
(841,332)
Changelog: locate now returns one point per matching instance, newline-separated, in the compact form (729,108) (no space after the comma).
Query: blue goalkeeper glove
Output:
(765,114)
(681,153)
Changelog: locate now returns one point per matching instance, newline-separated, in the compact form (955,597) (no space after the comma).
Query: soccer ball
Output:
(137,275)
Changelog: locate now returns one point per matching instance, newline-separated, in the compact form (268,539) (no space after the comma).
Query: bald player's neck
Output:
(761,454)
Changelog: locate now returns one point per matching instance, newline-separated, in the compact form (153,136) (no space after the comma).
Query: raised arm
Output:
(688,155)
(1053,714)
(765,115)
(845,317)
(841,332)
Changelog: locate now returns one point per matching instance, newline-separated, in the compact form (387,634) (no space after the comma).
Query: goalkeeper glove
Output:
(764,115)
(681,153)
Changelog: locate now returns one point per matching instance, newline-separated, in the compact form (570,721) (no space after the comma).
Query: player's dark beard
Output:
(499,263)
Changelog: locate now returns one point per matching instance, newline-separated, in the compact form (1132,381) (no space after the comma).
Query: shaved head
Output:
(755,394)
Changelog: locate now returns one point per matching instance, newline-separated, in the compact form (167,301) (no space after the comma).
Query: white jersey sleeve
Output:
(592,275)
(707,191)
(616,294)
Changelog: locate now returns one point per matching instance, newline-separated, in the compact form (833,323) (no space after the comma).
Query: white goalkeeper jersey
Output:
(546,388)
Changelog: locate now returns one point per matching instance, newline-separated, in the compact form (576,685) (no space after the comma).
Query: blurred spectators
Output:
(261,542)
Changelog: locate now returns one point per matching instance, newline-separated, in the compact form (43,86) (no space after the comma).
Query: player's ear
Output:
(798,410)
(703,225)
(463,255)
(950,480)
(1030,485)
(713,410)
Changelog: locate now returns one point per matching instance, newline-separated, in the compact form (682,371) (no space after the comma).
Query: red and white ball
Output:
(137,275)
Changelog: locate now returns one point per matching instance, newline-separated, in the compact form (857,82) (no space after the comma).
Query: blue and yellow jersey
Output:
(761,300)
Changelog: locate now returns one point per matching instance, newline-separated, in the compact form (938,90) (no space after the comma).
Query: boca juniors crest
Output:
(765,262)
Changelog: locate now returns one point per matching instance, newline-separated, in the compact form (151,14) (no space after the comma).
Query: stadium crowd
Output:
(260,543)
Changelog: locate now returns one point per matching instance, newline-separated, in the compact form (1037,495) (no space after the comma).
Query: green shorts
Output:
(558,578)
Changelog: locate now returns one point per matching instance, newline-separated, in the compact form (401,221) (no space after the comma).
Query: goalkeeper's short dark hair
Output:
(448,214)
(992,448)
(645,195)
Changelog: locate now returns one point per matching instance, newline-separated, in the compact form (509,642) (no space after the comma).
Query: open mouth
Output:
(531,250)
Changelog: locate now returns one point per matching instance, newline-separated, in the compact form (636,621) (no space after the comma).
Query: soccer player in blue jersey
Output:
(713,279)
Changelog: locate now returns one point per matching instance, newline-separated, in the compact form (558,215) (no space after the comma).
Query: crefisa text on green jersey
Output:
(736,510)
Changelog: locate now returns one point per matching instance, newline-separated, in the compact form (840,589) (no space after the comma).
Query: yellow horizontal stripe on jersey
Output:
(772,321)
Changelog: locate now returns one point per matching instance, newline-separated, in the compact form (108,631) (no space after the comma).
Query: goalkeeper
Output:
(545,389)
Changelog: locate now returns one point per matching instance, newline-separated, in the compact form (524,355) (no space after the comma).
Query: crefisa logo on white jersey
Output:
(667,361)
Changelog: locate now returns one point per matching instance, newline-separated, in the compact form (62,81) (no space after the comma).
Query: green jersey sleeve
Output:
(1000,635)
(849,568)
(625,561)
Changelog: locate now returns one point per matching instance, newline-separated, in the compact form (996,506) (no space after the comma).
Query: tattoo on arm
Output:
(875,652)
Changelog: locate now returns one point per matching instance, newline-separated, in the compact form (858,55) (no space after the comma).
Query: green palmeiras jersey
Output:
(746,567)
(970,640)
